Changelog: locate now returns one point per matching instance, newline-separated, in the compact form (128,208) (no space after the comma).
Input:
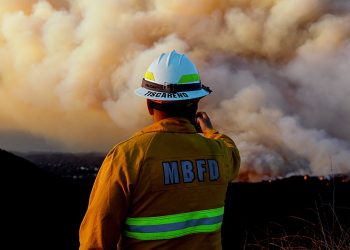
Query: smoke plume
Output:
(279,71)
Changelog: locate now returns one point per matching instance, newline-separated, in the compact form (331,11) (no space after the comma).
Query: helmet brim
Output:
(164,96)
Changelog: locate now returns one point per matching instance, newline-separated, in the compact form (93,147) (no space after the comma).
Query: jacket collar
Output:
(170,125)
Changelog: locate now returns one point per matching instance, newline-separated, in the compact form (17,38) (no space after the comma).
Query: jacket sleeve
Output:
(108,205)
(233,153)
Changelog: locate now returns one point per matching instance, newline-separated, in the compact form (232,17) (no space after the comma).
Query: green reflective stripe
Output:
(149,76)
(175,233)
(189,78)
(167,219)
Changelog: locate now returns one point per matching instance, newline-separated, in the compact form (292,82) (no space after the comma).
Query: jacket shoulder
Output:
(134,143)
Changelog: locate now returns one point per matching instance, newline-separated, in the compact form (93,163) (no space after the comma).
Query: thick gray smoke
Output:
(279,71)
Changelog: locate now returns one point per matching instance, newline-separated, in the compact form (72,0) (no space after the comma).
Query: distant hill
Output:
(80,165)
(13,165)
(44,205)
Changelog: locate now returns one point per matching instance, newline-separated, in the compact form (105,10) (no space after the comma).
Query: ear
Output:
(150,108)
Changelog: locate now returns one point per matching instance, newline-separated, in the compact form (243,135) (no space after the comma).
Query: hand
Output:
(203,121)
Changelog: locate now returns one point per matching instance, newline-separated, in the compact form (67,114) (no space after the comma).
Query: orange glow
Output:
(305,177)
(253,176)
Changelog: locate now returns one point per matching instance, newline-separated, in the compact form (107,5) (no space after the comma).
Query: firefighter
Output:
(164,188)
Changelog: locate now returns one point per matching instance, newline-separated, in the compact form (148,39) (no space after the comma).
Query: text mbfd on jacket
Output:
(198,169)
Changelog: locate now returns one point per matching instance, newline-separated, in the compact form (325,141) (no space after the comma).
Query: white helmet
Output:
(172,77)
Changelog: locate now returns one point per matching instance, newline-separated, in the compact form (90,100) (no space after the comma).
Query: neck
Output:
(159,115)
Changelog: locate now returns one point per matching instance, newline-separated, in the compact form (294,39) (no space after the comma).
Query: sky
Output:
(279,70)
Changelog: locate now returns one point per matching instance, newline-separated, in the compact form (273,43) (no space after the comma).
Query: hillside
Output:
(41,210)
(294,210)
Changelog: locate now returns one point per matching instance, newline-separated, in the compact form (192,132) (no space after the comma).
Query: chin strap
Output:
(206,88)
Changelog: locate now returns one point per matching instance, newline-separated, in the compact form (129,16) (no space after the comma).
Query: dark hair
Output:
(186,108)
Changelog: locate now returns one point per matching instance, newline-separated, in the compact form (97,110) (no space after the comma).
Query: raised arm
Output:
(209,132)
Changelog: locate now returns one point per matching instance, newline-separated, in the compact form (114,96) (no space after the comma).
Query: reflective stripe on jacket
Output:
(164,188)
(174,226)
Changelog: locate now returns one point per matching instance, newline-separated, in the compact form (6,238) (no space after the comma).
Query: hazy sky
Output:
(279,71)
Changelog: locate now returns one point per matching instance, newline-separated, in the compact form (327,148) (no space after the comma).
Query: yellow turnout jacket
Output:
(164,188)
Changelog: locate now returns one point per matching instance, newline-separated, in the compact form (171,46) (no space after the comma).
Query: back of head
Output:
(172,85)
(186,109)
